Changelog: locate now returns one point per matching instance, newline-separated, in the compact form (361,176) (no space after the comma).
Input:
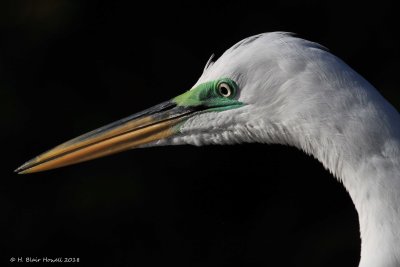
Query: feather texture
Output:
(297,93)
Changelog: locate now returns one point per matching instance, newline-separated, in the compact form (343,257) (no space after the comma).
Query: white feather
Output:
(299,94)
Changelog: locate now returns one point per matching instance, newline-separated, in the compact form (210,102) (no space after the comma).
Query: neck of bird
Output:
(373,183)
(359,143)
(361,148)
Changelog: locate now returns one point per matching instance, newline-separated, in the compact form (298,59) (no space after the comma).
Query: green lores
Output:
(215,95)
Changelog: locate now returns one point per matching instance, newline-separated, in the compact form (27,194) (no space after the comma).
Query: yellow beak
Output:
(143,128)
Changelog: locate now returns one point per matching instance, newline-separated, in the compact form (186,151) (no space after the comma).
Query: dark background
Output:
(67,67)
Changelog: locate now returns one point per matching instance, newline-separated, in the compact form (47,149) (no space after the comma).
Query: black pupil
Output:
(224,90)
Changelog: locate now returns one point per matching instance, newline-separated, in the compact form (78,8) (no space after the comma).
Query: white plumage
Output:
(275,88)
(299,94)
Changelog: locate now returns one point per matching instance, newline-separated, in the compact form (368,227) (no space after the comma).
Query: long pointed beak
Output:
(139,129)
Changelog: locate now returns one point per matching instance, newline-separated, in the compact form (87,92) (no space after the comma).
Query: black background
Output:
(67,67)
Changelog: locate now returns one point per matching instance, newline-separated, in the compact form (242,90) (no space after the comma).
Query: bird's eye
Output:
(224,90)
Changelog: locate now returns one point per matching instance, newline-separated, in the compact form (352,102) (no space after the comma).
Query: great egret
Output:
(276,88)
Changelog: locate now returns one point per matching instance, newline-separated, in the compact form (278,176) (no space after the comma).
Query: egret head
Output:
(241,97)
